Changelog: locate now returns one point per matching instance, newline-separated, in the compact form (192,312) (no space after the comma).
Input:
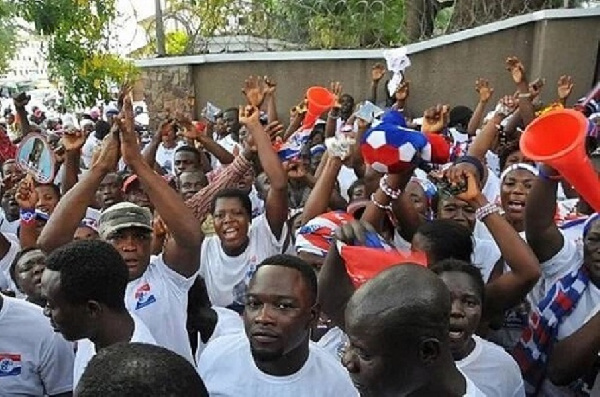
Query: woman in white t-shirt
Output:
(492,370)
(229,258)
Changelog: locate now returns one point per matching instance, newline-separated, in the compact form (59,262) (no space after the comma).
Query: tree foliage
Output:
(80,45)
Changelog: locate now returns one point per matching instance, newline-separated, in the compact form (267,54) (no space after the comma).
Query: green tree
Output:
(8,43)
(81,45)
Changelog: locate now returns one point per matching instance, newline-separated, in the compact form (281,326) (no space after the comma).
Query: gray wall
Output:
(440,73)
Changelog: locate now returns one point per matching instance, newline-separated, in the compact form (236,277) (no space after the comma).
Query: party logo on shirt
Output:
(10,364)
(144,296)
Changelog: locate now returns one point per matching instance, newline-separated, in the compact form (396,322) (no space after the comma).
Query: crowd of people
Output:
(241,254)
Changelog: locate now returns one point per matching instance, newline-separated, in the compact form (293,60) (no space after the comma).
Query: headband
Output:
(473,161)
(428,187)
(519,166)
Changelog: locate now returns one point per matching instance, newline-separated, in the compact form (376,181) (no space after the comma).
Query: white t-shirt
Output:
(34,360)
(160,299)
(492,370)
(227,277)
(9,227)
(228,144)
(7,260)
(491,189)
(86,349)
(333,342)
(87,151)
(472,389)
(569,258)
(228,323)
(485,255)
(493,162)
(165,157)
(228,369)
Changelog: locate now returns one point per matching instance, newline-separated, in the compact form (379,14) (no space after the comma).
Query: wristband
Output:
(379,205)
(482,212)
(385,188)
(524,95)
(27,216)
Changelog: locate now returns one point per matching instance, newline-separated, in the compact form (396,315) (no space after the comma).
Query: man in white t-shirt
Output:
(158,286)
(275,356)
(398,327)
(34,360)
(84,286)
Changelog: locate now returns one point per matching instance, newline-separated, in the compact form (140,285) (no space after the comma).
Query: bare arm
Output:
(182,250)
(543,236)
(276,203)
(581,348)
(335,287)
(319,197)
(215,149)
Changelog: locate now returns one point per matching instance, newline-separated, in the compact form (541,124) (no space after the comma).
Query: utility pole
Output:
(160,29)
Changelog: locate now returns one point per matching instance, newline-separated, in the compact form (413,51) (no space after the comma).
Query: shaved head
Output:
(406,295)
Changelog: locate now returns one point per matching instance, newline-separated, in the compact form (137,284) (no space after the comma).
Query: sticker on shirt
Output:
(10,364)
(144,296)
(239,290)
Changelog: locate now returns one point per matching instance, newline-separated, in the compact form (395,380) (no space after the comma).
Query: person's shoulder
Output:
(221,348)
(494,353)
(330,370)
(29,316)
(324,360)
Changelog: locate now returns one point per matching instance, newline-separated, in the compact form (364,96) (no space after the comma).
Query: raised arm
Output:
(182,250)
(486,138)
(318,200)
(510,288)
(72,206)
(485,91)
(276,203)
(73,142)
(581,348)
(543,236)
(377,72)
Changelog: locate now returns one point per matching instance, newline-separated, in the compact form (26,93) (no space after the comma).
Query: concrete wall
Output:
(444,69)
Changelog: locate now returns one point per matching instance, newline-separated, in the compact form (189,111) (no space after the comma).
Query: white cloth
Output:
(160,298)
(9,227)
(492,370)
(485,255)
(228,323)
(491,189)
(7,260)
(228,144)
(87,151)
(333,342)
(493,162)
(346,178)
(228,369)
(165,157)
(227,277)
(86,349)
(34,360)
(472,389)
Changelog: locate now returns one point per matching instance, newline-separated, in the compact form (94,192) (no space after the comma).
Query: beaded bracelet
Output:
(27,216)
(488,209)
(385,188)
(379,205)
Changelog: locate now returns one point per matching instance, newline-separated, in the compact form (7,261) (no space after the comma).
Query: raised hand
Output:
(107,155)
(26,194)
(516,69)
(271,85)
(249,115)
(353,232)
(565,86)
(536,87)
(254,90)
(403,91)
(435,118)
(484,89)
(506,105)
(336,90)
(377,72)
(464,183)
(21,100)
(274,130)
(130,149)
(73,141)
(295,170)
